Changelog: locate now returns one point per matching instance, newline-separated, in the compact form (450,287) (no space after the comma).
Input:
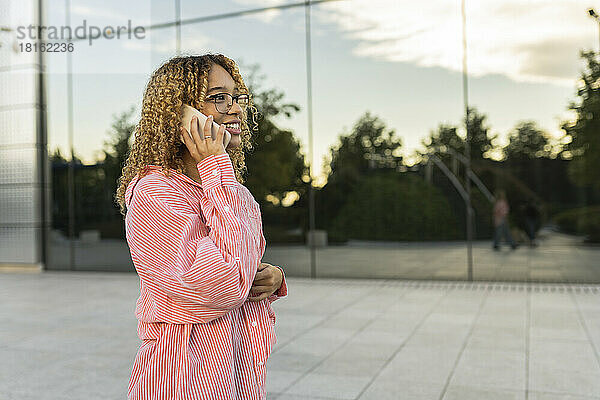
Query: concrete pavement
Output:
(72,335)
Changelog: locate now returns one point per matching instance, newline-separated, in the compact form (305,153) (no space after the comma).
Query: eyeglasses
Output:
(224,101)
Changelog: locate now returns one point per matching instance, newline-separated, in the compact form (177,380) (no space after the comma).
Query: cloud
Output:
(526,41)
(551,60)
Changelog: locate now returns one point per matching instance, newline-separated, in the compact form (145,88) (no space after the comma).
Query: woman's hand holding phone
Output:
(202,145)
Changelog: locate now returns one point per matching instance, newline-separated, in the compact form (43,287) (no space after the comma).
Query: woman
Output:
(196,241)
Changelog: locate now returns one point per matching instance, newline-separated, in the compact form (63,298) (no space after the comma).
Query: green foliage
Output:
(584,131)
(393,206)
(276,165)
(527,141)
(481,141)
(584,220)
(446,139)
(368,147)
(116,149)
(443,139)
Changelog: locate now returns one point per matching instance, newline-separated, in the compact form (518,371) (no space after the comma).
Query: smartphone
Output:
(188,112)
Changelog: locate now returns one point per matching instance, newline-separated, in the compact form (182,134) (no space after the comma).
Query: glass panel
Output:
(522,93)
(375,100)
(98,240)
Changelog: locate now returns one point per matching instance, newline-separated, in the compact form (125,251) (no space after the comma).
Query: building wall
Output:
(24,187)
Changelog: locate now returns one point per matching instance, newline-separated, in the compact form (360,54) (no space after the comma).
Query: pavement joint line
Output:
(464,345)
(412,333)
(586,328)
(386,282)
(321,361)
(445,284)
(527,343)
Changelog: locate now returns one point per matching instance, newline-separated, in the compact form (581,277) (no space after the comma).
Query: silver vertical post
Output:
(71,171)
(311,196)
(42,146)
(468,144)
(178,26)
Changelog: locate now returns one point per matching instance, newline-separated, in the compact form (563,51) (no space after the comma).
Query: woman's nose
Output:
(235,108)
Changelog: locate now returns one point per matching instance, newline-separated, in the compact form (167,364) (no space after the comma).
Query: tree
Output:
(275,165)
(116,149)
(481,141)
(585,129)
(368,147)
(446,138)
(527,141)
(395,206)
(443,141)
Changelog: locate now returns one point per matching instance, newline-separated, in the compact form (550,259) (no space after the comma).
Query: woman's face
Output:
(220,81)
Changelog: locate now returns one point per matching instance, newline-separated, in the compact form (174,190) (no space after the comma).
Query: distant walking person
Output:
(532,217)
(501,228)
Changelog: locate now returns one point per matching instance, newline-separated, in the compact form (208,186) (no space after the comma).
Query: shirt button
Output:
(260,363)
(215,172)
(254,323)
(226,208)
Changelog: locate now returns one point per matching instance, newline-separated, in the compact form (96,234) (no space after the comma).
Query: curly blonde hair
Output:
(182,79)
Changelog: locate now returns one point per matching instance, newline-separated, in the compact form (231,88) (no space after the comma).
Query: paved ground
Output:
(559,259)
(72,335)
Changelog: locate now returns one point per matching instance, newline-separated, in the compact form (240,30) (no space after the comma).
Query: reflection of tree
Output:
(368,148)
(529,170)
(60,210)
(446,139)
(481,141)
(115,151)
(389,205)
(365,169)
(94,185)
(276,167)
(584,130)
(527,141)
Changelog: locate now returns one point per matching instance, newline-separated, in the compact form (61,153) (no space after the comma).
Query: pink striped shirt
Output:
(196,248)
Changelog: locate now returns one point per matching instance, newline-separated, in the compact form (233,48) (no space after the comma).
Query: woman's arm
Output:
(211,275)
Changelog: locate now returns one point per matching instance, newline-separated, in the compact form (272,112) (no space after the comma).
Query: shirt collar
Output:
(175,174)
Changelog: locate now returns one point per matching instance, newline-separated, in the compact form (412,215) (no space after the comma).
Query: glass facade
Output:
(370,104)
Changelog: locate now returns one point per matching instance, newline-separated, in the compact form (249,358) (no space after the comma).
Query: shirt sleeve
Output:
(214,273)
